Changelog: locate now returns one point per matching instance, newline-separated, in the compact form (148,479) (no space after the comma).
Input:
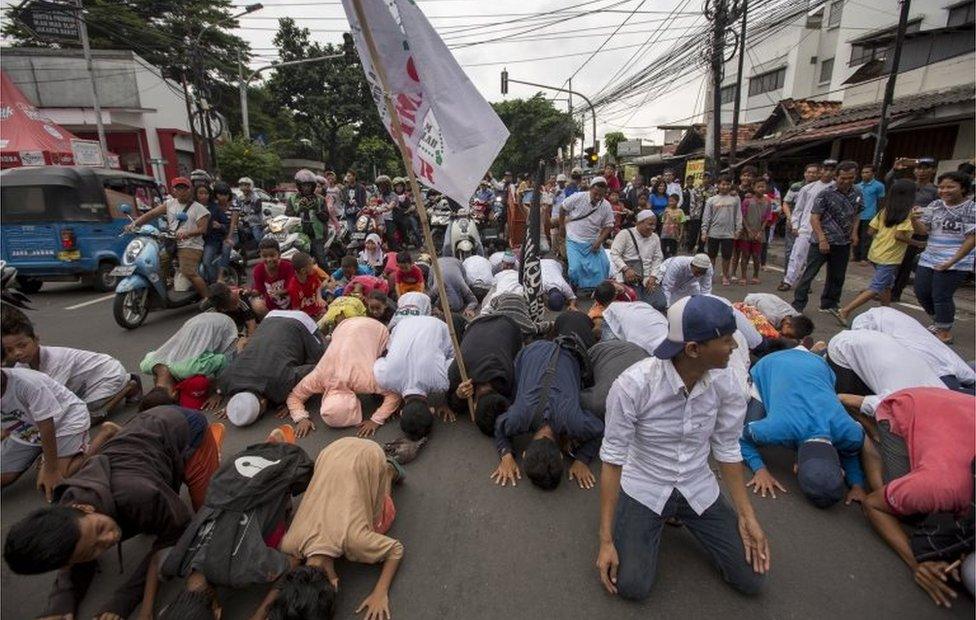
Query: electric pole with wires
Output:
(722,14)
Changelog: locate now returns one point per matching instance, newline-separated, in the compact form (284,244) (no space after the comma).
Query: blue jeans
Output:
(216,255)
(637,537)
(935,291)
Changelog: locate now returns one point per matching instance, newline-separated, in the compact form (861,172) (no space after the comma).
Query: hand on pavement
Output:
(755,543)
(763,482)
(507,471)
(377,606)
(304,427)
(367,428)
(932,577)
(580,472)
(607,562)
(48,478)
(855,494)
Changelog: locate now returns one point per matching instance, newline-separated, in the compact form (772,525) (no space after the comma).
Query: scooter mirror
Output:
(125,208)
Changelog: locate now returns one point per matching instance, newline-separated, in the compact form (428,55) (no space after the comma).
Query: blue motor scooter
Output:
(142,288)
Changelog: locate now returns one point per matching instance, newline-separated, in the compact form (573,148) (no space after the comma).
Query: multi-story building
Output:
(144,114)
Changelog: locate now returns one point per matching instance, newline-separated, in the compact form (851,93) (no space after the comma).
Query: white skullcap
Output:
(243,409)
(643,215)
(701,261)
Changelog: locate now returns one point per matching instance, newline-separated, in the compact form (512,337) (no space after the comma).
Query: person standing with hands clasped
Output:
(686,401)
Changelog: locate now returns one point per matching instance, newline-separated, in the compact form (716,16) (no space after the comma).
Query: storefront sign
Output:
(87,153)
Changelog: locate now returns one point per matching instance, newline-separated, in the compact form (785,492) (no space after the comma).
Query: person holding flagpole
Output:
(585,221)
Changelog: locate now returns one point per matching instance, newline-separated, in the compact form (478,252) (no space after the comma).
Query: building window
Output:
(865,52)
(826,70)
(728,94)
(766,82)
(961,14)
(836,8)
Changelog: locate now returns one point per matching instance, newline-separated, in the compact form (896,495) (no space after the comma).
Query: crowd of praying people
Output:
(657,376)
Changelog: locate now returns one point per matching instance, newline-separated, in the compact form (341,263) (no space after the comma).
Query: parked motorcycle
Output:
(287,231)
(439,215)
(142,289)
(461,238)
(366,224)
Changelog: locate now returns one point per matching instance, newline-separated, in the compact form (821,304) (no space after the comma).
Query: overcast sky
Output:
(560,33)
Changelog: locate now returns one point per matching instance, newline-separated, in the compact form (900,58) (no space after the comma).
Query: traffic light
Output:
(504,81)
(591,156)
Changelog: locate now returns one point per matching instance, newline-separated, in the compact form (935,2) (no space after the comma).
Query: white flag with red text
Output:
(452,133)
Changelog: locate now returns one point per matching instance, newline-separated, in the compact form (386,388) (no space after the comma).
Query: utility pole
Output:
(245,129)
(882,137)
(572,142)
(716,12)
(738,86)
(86,48)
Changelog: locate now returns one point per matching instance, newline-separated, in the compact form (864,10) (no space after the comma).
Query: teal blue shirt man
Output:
(872,191)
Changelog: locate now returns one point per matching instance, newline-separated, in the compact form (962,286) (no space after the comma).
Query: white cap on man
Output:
(643,215)
(560,178)
(243,409)
(245,181)
(701,261)
(598,181)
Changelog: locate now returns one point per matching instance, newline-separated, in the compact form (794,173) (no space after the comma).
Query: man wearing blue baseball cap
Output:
(800,409)
(664,416)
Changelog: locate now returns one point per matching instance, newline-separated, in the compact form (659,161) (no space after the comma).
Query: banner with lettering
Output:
(452,133)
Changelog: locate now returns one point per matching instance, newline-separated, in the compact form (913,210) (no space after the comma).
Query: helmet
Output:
(245,181)
(382,179)
(304,176)
(399,181)
(200,176)
(222,187)
(560,178)
(320,179)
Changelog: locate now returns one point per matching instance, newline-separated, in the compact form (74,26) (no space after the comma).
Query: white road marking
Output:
(912,306)
(90,302)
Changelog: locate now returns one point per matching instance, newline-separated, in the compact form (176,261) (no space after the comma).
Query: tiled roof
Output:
(809,109)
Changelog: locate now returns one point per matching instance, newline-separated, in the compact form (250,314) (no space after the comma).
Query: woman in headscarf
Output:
(372,254)
(411,304)
(341,308)
(202,346)
(345,370)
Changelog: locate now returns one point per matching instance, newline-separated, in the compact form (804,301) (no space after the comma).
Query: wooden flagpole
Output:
(414,188)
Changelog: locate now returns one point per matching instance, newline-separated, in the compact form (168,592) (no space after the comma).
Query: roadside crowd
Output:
(656,377)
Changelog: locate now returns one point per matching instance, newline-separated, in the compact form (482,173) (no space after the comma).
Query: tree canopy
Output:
(612,140)
(161,31)
(243,158)
(537,130)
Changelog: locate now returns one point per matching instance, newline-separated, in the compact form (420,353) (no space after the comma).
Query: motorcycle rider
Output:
(189,232)
(201,177)
(355,194)
(311,208)
(249,205)
(404,214)
(387,200)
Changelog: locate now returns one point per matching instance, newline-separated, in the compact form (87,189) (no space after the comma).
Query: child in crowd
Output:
(271,277)
(348,269)
(671,227)
(721,221)
(892,232)
(99,380)
(227,300)
(304,288)
(408,277)
(756,208)
(40,416)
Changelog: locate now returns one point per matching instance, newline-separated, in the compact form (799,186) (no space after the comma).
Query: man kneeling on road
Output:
(683,401)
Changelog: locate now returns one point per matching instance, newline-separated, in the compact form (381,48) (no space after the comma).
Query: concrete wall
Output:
(937,76)
(798,44)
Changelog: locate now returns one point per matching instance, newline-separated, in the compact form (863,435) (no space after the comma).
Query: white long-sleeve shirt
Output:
(920,341)
(417,357)
(647,250)
(478,271)
(506,281)
(661,435)
(677,280)
(882,363)
(771,306)
(637,322)
(800,218)
(552,278)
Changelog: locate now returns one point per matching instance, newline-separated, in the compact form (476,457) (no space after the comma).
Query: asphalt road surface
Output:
(473,550)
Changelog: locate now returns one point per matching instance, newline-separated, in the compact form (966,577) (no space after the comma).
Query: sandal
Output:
(725,282)
(783,286)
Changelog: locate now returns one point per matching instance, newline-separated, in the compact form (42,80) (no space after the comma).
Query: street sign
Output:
(55,21)
(695,168)
(87,153)
(629,148)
